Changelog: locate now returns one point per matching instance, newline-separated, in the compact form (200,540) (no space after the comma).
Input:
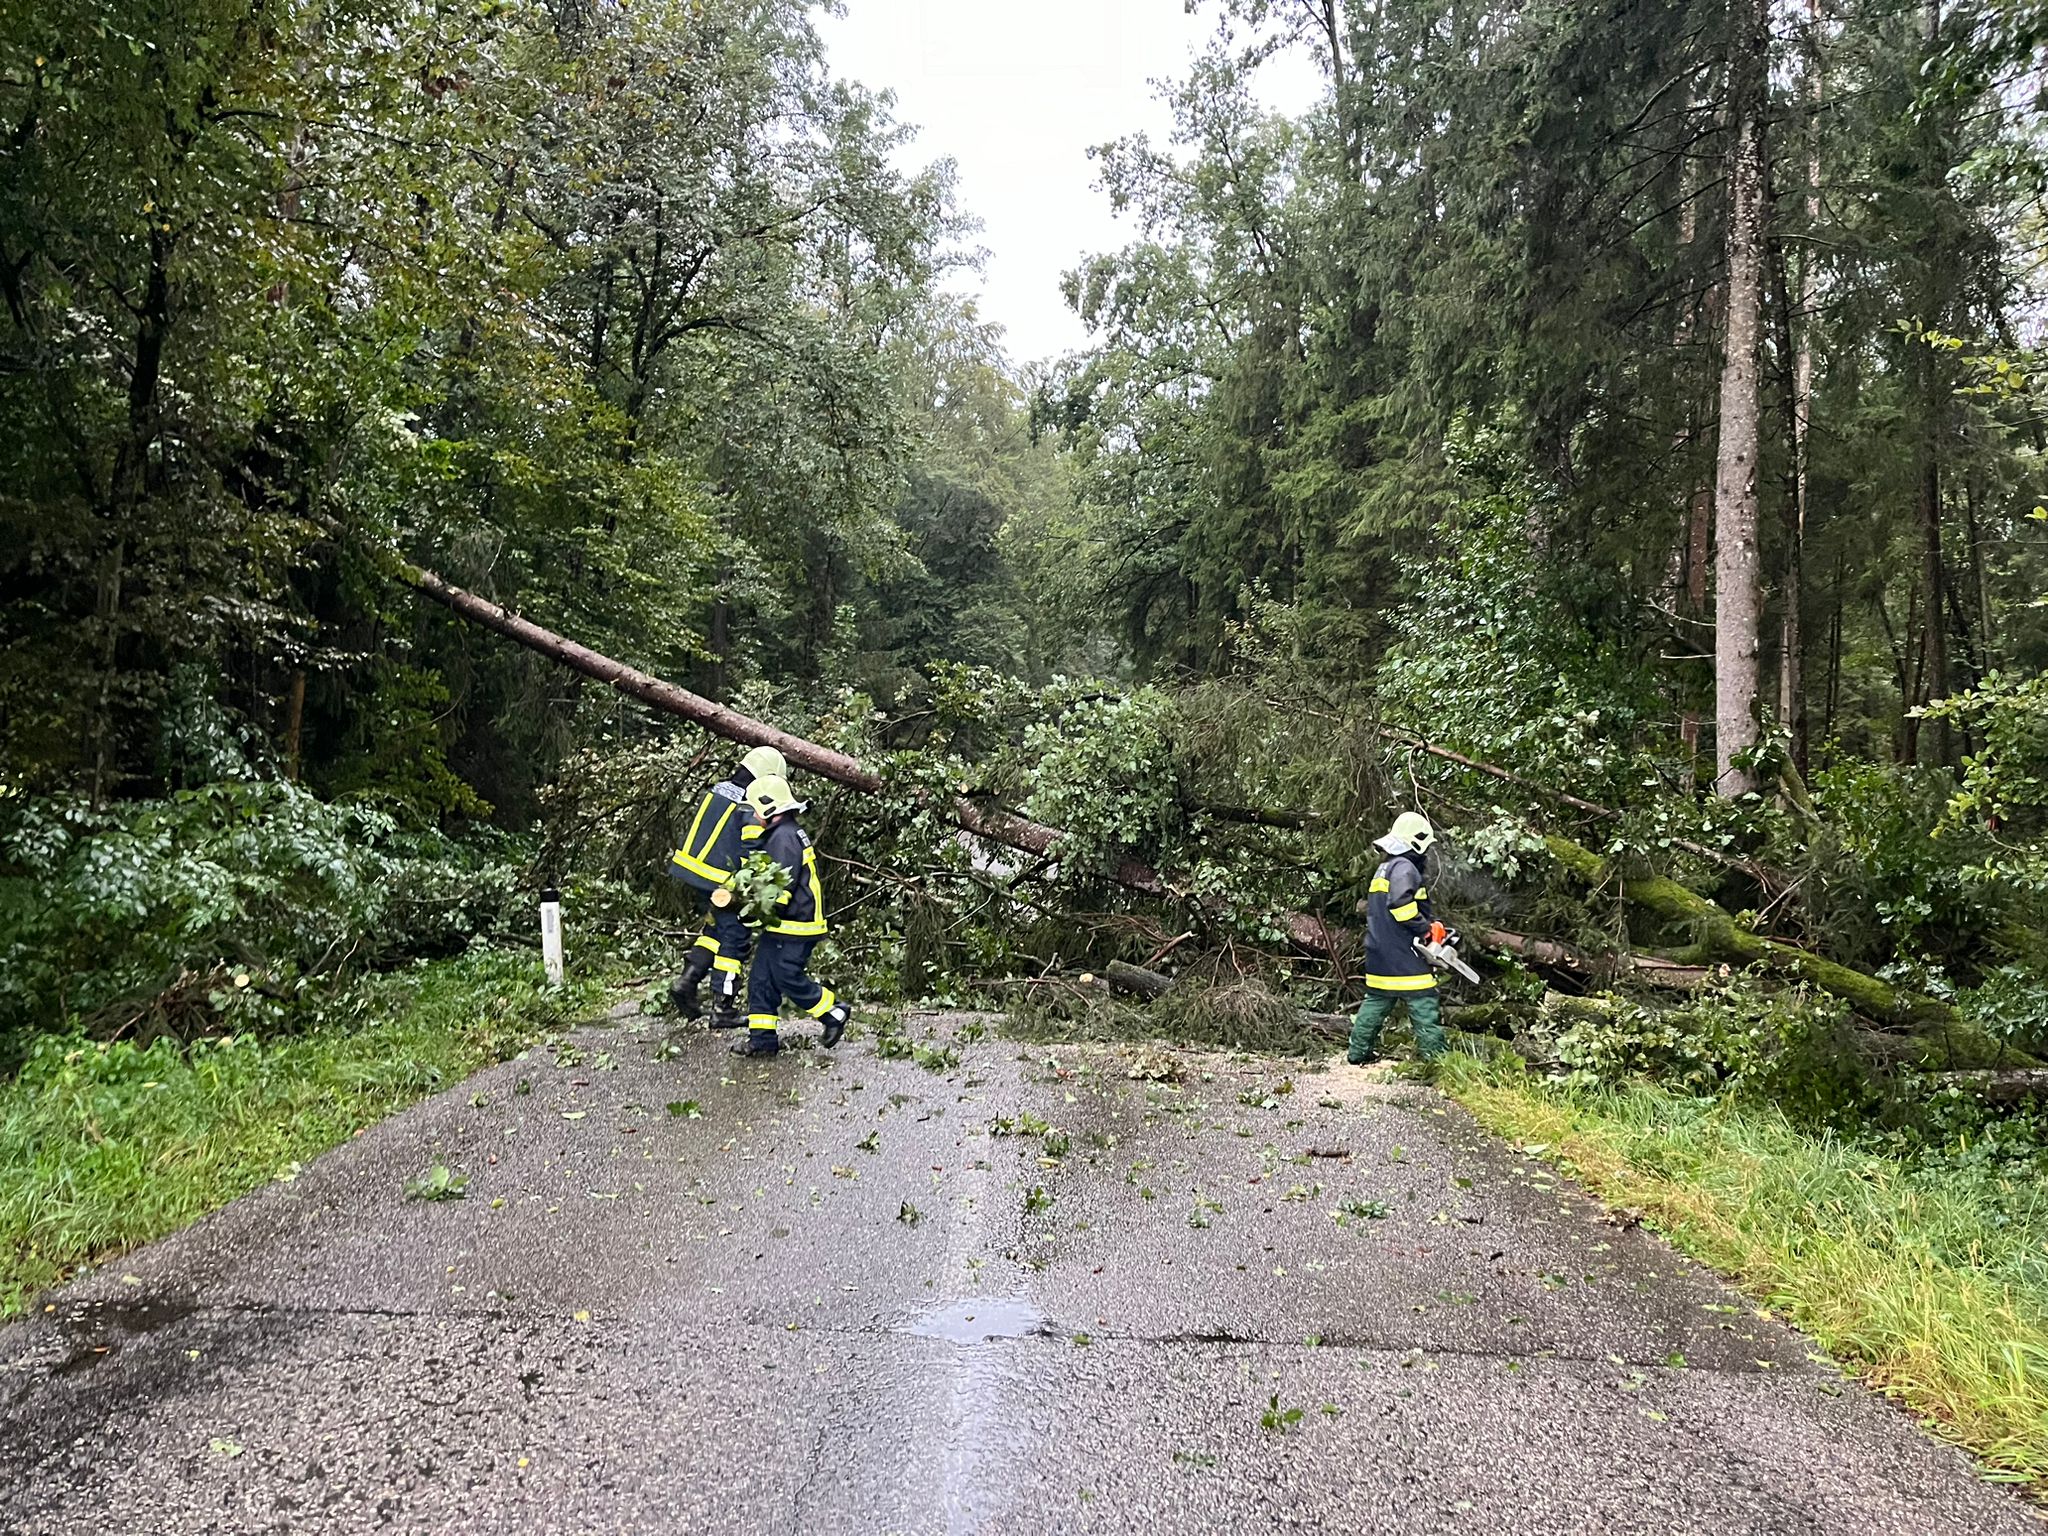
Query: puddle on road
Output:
(101,1326)
(982,1319)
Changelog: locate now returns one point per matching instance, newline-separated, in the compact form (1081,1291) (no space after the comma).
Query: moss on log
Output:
(1718,937)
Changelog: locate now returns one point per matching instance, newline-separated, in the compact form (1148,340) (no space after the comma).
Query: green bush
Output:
(222,906)
(1791,1048)
(1107,777)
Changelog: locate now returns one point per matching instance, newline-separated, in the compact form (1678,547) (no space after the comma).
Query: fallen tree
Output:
(986,822)
(1716,935)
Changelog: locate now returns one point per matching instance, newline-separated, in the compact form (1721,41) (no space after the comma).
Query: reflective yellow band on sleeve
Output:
(823,1004)
(1400,983)
(723,963)
(751,831)
(1379,883)
(1422,894)
(1405,913)
(705,941)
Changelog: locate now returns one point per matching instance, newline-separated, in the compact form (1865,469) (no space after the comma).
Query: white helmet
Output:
(1411,832)
(772,796)
(765,763)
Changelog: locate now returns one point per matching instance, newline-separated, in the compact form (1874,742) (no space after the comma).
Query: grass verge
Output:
(1932,1287)
(103,1147)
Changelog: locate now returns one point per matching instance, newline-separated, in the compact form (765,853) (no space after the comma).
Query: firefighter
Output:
(779,973)
(1397,914)
(721,833)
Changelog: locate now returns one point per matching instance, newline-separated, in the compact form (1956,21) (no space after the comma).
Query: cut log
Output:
(1136,980)
(1646,970)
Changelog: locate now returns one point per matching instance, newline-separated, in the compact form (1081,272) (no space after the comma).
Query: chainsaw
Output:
(1440,949)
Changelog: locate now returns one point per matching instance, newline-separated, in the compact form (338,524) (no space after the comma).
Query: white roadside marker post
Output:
(551,935)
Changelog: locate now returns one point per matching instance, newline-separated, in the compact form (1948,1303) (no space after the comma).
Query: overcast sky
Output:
(1015,93)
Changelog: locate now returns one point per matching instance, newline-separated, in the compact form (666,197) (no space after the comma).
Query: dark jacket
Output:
(803,904)
(720,834)
(1397,914)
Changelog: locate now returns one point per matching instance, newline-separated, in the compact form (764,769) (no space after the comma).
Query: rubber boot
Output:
(758,1042)
(725,1013)
(682,992)
(835,1025)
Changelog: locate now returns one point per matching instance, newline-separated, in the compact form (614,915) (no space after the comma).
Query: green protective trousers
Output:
(1425,1017)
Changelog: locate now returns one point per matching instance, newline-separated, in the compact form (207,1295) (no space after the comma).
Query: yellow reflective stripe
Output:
(705,941)
(690,838)
(1422,893)
(762,1021)
(1404,913)
(815,924)
(1379,883)
(823,1004)
(723,964)
(716,832)
(750,831)
(1400,983)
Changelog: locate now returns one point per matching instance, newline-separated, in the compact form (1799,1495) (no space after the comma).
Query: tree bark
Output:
(1934,664)
(294,723)
(1738,595)
(1802,384)
(1791,573)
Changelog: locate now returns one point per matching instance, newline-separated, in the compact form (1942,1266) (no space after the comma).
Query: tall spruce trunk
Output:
(1934,664)
(1792,640)
(1738,598)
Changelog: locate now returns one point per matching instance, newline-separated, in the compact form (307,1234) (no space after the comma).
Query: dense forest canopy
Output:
(1642,399)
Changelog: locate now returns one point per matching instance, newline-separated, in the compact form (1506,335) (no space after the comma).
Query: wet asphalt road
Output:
(827,1294)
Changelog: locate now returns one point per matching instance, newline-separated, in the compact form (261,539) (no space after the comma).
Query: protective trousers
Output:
(730,941)
(779,977)
(1425,1017)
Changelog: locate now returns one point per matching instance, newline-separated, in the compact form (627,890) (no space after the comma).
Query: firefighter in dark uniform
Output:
(1397,914)
(780,972)
(721,833)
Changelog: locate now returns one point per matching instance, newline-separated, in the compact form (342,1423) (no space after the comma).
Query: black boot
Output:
(683,990)
(758,1042)
(725,1013)
(835,1025)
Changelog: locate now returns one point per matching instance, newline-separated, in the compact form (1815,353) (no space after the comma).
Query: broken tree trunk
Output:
(1718,937)
(986,822)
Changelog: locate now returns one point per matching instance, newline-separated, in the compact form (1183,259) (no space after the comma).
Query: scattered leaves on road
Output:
(439,1182)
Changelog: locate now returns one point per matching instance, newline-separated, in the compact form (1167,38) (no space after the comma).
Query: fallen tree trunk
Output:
(987,822)
(1718,937)
(1648,970)
(1136,980)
